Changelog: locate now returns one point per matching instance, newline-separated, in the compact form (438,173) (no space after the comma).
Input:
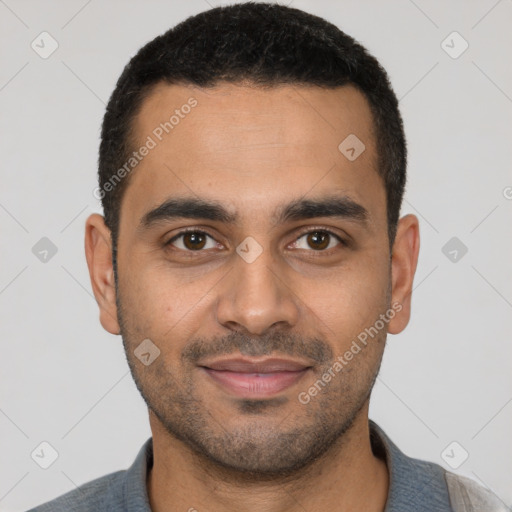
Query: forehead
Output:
(250,147)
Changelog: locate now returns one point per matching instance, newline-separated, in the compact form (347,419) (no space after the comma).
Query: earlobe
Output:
(404,260)
(98,252)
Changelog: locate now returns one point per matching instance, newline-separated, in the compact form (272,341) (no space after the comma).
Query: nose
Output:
(257,296)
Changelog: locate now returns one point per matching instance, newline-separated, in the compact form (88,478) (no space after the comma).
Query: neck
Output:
(347,478)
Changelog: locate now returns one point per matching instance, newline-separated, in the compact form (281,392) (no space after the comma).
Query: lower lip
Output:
(255,385)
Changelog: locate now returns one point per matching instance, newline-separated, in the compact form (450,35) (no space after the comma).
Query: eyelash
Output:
(341,241)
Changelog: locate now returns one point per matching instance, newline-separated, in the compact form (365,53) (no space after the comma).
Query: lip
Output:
(255,378)
(253,365)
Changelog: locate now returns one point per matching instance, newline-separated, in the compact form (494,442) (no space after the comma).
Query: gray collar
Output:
(414,484)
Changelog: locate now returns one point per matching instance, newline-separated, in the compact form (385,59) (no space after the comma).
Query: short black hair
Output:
(263,44)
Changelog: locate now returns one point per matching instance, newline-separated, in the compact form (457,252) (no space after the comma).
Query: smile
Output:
(248,378)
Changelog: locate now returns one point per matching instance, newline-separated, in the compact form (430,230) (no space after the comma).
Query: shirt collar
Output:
(413,484)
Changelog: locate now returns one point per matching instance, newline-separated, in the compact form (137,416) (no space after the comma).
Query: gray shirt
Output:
(415,485)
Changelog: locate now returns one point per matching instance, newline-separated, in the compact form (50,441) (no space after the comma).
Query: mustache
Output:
(312,348)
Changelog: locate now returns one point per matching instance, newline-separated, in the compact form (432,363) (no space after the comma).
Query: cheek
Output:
(351,299)
(160,302)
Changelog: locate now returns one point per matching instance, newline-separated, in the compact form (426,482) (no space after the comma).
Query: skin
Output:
(252,150)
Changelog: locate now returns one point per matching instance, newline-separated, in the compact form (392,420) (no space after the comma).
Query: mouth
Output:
(255,378)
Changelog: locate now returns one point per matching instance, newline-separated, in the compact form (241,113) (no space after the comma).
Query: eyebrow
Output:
(341,207)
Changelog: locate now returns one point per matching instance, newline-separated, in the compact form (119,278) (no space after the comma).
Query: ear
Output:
(404,258)
(98,251)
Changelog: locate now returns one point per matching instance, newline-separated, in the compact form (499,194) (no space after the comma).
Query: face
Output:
(253,254)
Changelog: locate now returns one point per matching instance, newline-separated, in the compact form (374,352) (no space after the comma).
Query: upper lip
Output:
(246,365)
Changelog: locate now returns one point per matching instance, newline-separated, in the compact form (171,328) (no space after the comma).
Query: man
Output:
(252,167)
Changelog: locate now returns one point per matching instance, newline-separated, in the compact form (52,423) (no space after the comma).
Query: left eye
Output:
(317,240)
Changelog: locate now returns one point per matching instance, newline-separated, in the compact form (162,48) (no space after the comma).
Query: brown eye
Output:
(318,240)
(192,241)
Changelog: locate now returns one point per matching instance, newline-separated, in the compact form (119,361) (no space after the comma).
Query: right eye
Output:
(192,240)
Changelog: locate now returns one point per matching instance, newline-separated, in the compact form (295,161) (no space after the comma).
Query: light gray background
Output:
(65,380)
